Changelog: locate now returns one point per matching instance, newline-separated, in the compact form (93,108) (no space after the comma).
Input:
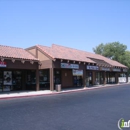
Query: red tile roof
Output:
(61,52)
(16,53)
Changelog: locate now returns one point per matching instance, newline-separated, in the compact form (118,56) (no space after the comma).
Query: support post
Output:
(84,78)
(37,79)
(93,77)
(104,78)
(51,79)
(117,81)
(127,77)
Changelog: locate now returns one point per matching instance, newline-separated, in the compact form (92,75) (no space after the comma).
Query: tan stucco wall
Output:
(33,51)
(42,57)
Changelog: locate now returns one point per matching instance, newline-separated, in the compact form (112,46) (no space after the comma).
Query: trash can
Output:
(58,87)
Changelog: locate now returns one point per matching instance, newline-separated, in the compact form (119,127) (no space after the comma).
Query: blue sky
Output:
(80,24)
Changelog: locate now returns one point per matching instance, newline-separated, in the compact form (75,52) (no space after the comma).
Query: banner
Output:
(78,72)
(2,64)
(7,78)
(68,65)
(105,69)
(89,67)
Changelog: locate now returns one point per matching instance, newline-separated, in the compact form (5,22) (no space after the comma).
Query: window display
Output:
(7,78)
(17,80)
(1,81)
(77,81)
(57,77)
(89,78)
(44,79)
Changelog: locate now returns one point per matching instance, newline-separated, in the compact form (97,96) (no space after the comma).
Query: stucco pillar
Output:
(51,79)
(37,79)
(23,80)
(93,77)
(104,77)
(84,78)
(127,78)
(116,77)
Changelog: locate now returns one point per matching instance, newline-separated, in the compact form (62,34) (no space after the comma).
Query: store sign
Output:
(7,78)
(92,67)
(71,66)
(124,70)
(78,72)
(2,64)
(105,69)
(116,69)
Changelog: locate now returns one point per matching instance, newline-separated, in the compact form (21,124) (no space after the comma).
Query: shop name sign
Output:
(116,69)
(3,64)
(124,70)
(77,72)
(92,67)
(71,66)
(105,69)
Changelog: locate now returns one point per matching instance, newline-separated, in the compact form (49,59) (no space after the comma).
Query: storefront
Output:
(72,75)
(44,79)
(18,70)
(74,68)
(12,79)
(92,75)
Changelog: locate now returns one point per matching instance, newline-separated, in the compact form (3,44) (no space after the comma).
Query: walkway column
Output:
(51,79)
(37,79)
(104,78)
(116,77)
(127,77)
(93,77)
(84,78)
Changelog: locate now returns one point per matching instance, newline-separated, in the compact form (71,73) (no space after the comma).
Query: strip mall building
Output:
(40,68)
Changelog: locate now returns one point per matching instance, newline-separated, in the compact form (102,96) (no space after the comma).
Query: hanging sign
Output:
(89,67)
(71,66)
(78,72)
(3,64)
(105,69)
(124,70)
(116,69)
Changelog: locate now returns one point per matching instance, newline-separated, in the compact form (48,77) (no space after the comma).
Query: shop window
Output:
(16,80)
(44,79)
(88,78)
(57,77)
(122,75)
(77,81)
(97,78)
(111,78)
(31,80)
(1,81)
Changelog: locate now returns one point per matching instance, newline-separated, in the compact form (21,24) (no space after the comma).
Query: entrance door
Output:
(77,81)
(67,79)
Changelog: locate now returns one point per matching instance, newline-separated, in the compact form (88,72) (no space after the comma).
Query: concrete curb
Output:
(62,92)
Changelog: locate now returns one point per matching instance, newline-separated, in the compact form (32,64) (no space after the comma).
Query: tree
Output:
(126,60)
(114,50)
(99,49)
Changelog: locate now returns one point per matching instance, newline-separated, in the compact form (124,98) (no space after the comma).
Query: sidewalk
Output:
(20,94)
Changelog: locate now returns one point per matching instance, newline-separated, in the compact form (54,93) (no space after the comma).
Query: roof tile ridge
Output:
(45,51)
(43,45)
(12,47)
(72,48)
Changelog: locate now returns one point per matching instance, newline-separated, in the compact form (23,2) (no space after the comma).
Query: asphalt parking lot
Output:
(98,109)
